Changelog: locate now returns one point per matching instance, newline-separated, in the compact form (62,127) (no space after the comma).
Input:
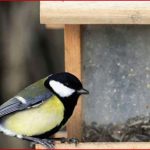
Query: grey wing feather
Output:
(10,106)
(14,104)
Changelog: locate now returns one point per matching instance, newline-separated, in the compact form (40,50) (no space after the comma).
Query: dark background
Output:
(28,52)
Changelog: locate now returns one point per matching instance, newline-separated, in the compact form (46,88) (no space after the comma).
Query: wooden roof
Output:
(98,12)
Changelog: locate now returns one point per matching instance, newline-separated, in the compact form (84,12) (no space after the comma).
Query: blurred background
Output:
(28,52)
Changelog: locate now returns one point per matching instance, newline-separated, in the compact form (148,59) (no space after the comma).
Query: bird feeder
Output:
(107,46)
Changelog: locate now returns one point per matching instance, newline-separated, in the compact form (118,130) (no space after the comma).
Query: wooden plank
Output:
(103,145)
(73,65)
(99,12)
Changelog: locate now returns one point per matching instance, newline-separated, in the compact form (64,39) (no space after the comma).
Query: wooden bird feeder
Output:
(70,16)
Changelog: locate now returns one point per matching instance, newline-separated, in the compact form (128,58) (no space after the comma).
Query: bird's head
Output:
(65,85)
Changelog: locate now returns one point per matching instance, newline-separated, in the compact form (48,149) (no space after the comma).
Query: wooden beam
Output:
(55,26)
(73,65)
(103,145)
(99,12)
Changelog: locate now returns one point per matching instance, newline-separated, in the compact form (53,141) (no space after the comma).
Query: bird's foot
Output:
(45,142)
(69,140)
(73,140)
(32,145)
(65,140)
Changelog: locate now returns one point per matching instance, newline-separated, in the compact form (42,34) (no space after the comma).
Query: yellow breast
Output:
(37,120)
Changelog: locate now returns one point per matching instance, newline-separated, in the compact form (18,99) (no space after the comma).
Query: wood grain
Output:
(99,12)
(103,145)
(73,65)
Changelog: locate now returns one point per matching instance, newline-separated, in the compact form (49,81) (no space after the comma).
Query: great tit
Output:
(41,109)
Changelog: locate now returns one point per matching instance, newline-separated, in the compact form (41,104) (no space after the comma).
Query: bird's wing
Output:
(31,96)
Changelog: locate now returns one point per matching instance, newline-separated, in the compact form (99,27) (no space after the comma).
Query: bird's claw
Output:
(45,142)
(70,140)
(73,140)
(63,140)
(32,145)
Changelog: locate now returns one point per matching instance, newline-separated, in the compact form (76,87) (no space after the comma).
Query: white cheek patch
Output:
(60,89)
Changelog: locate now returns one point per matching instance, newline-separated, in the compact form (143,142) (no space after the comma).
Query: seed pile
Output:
(134,130)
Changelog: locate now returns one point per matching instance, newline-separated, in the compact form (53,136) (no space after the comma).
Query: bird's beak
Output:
(83,91)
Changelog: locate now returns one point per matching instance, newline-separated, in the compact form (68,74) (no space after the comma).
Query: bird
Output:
(41,109)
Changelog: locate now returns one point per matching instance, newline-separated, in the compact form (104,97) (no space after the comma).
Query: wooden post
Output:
(73,65)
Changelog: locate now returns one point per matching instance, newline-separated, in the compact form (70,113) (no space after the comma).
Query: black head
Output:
(64,85)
